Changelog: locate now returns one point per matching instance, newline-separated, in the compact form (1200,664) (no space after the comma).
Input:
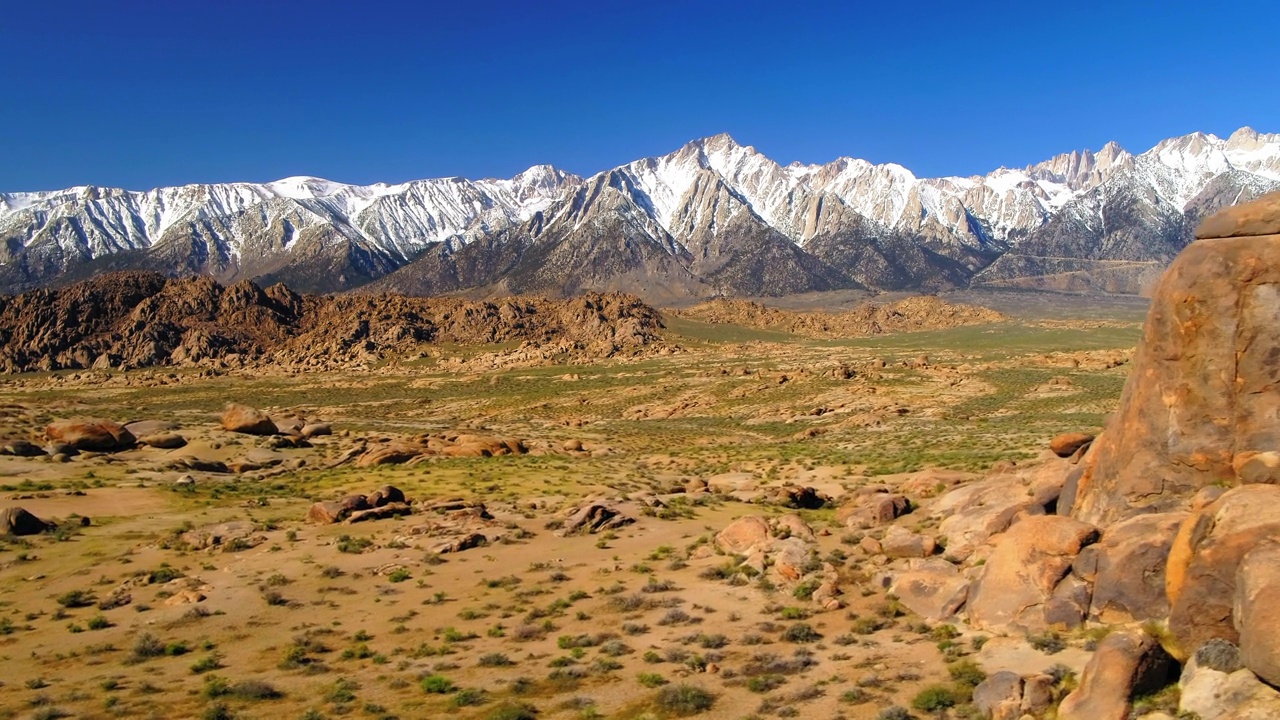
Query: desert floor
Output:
(127,617)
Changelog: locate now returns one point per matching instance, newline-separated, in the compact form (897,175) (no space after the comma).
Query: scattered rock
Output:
(744,535)
(229,536)
(458,544)
(380,512)
(801,498)
(311,430)
(999,696)
(874,509)
(140,428)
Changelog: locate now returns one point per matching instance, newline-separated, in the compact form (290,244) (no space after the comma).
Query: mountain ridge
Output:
(713,218)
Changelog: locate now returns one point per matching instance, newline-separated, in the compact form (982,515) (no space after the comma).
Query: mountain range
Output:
(714,218)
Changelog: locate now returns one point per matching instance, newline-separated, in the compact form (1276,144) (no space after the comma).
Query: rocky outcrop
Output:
(1068,444)
(911,314)
(934,589)
(141,319)
(1202,396)
(387,501)
(450,444)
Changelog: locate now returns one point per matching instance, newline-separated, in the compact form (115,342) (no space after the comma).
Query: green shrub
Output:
(513,711)
(935,698)
(76,599)
(437,685)
(651,680)
(468,697)
(684,699)
(967,673)
(801,633)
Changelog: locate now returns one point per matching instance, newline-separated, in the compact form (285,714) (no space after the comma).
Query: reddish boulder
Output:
(1067,444)
(91,434)
(244,419)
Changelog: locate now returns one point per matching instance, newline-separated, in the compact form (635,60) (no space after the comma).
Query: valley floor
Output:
(294,619)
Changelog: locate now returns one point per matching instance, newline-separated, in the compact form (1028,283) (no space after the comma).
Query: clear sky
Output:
(140,93)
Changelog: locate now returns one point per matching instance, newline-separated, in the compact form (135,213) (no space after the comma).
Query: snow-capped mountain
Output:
(714,217)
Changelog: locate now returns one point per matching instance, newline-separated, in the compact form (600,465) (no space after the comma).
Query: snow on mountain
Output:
(708,187)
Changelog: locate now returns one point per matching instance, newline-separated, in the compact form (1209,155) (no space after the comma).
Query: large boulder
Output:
(1127,568)
(91,434)
(999,697)
(873,509)
(1205,558)
(975,512)
(743,535)
(1256,612)
(1019,580)
(933,589)
(244,419)
(1203,388)
(1127,663)
(17,521)
(1213,692)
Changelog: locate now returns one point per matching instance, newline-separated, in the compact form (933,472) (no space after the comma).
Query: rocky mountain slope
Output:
(712,218)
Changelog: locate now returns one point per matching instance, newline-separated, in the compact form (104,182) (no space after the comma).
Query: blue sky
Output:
(142,93)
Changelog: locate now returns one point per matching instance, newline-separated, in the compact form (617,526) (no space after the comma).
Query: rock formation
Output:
(1202,400)
(141,319)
